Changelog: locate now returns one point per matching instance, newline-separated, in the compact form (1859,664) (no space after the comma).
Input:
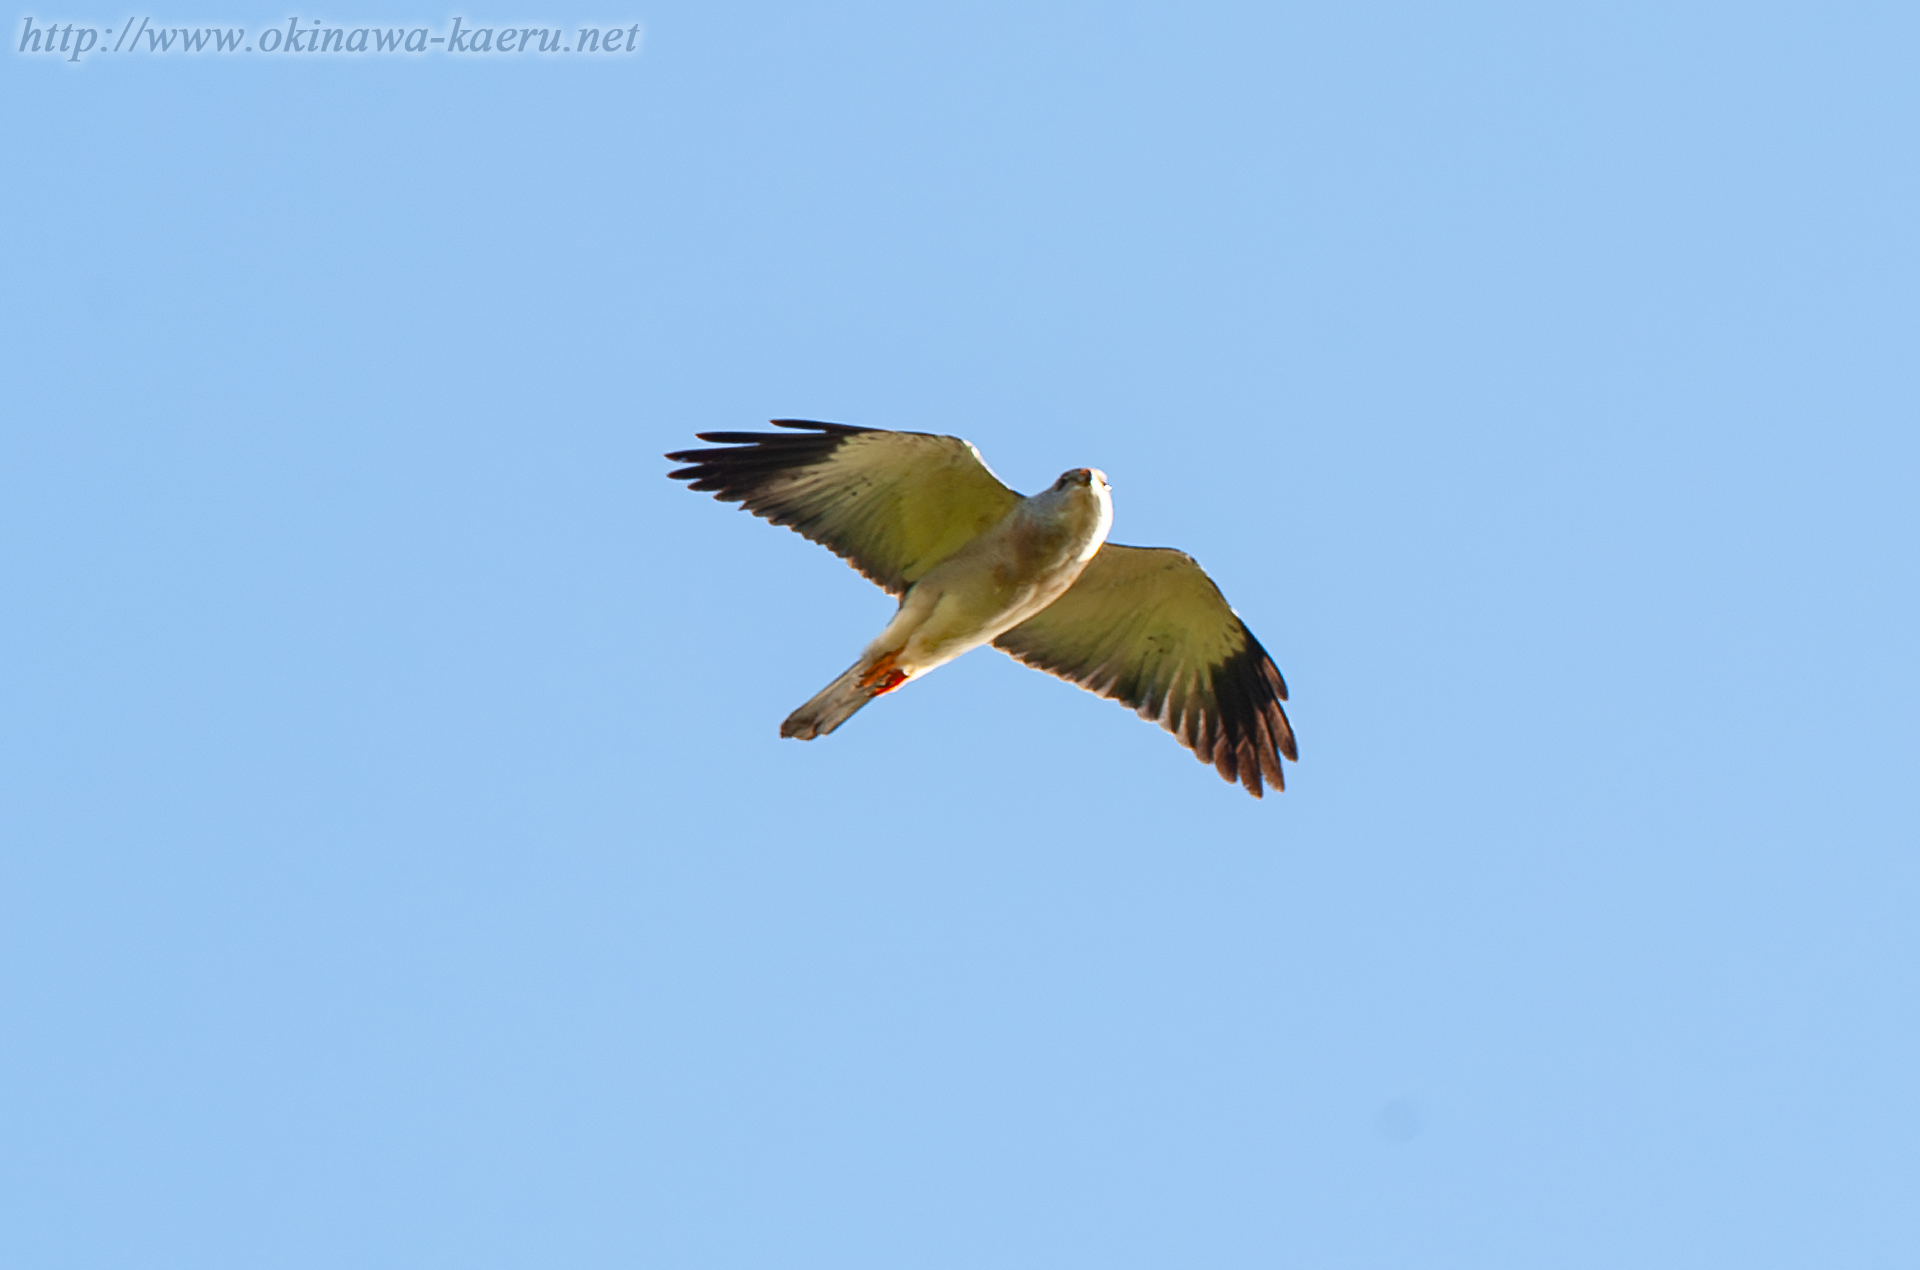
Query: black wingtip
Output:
(761,438)
(838,429)
(1255,733)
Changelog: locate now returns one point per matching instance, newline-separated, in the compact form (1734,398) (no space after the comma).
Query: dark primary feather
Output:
(1148,628)
(749,469)
(892,504)
(753,458)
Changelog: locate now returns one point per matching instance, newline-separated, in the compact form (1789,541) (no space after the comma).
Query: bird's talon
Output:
(883,676)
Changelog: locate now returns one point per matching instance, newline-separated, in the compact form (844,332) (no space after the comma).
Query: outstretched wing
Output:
(892,504)
(1147,627)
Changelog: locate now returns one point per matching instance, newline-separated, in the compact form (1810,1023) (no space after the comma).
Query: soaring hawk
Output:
(975,563)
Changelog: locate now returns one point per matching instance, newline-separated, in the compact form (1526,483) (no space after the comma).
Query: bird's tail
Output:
(834,704)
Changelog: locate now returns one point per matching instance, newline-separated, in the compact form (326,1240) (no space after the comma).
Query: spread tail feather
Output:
(834,704)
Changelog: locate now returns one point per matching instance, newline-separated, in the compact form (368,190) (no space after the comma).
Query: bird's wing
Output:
(892,504)
(1147,627)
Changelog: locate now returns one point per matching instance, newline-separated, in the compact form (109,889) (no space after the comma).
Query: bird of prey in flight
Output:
(975,563)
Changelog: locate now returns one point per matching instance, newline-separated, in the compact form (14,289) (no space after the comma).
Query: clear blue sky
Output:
(398,862)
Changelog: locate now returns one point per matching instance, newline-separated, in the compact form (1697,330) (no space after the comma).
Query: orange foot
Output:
(883,676)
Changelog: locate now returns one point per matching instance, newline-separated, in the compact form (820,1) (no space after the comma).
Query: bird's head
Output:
(1088,477)
(1081,498)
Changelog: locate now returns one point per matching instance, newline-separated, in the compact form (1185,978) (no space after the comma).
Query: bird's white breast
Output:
(1001,578)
